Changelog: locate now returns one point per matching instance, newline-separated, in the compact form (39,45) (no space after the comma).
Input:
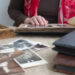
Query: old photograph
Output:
(6,48)
(29,59)
(22,44)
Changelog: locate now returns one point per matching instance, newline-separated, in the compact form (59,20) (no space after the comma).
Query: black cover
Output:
(66,51)
(68,41)
(64,69)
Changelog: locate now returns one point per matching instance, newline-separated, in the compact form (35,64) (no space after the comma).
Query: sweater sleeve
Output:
(16,11)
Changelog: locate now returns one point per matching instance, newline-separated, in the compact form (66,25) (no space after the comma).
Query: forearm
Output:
(17,15)
(16,11)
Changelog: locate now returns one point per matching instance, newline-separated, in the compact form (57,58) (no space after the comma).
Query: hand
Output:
(36,21)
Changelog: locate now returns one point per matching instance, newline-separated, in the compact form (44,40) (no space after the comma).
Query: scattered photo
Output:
(6,48)
(38,47)
(25,60)
(22,44)
(10,68)
(2,55)
(29,59)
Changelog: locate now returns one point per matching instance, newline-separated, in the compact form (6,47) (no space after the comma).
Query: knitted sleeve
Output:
(16,11)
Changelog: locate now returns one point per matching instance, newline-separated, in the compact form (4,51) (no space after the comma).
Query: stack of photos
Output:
(18,55)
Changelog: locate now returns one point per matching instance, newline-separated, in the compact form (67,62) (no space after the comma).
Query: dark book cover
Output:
(66,51)
(67,41)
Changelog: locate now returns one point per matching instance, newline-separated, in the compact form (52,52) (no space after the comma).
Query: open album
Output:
(51,28)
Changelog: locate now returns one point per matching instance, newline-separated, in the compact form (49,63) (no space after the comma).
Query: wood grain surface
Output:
(5,32)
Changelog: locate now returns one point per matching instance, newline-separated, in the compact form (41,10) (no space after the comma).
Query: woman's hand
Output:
(36,21)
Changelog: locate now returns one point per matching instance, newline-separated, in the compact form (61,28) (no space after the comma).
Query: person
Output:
(47,12)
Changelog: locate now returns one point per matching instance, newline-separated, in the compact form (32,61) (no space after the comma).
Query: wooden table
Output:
(47,54)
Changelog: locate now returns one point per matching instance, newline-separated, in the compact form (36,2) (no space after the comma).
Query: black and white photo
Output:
(22,44)
(29,59)
(6,48)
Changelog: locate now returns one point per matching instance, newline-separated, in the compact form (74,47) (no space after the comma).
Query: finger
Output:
(35,21)
(39,18)
(45,22)
(32,22)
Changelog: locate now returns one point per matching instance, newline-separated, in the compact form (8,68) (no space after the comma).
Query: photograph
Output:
(7,48)
(21,44)
(29,59)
